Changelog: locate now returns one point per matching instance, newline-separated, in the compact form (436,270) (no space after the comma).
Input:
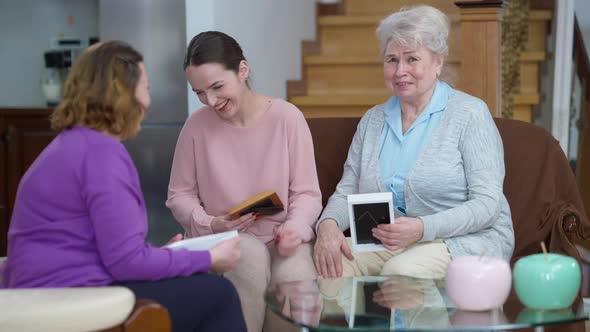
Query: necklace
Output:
(268,103)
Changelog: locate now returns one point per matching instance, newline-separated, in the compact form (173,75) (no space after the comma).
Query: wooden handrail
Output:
(480,4)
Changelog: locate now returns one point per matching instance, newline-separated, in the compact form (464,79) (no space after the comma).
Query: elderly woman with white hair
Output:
(436,149)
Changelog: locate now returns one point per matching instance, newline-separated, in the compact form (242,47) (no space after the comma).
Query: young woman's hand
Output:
(301,301)
(404,232)
(175,238)
(225,223)
(287,242)
(225,255)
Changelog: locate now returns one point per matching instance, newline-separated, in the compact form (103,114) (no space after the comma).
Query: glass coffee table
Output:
(396,303)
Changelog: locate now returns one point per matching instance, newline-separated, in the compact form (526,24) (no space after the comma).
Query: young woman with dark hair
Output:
(239,144)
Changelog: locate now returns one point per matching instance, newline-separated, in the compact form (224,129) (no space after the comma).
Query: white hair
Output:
(414,27)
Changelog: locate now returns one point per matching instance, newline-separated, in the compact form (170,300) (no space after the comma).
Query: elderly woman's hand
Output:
(400,293)
(327,251)
(404,232)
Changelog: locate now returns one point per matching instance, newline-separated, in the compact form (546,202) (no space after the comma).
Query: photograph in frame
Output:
(367,211)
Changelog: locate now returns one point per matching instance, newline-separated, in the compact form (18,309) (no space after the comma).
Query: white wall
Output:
(269,31)
(26,27)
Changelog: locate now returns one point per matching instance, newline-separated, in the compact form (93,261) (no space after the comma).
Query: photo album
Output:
(264,203)
(367,211)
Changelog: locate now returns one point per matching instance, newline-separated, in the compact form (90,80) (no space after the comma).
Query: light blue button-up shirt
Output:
(398,151)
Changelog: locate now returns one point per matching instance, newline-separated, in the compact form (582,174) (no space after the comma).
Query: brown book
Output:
(264,203)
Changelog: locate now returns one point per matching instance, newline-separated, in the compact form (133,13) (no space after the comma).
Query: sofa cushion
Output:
(539,184)
(331,140)
(64,309)
(541,190)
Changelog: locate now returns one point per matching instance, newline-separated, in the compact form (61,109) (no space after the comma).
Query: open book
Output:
(264,203)
(202,242)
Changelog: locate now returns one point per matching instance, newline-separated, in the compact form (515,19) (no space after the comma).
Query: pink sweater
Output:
(218,165)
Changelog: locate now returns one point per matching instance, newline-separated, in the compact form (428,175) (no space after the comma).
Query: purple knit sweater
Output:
(80,220)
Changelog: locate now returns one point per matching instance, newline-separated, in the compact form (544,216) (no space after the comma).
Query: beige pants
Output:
(428,260)
(422,260)
(259,267)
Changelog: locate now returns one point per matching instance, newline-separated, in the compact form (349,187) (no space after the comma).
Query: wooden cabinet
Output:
(24,133)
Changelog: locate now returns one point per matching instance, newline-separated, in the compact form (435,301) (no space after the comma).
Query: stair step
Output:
(528,99)
(523,113)
(374,99)
(356,106)
(533,56)
(362,40)
(540,15)
(335,100)
(373,20)
(355,35)
(317,60)
(339,20)
(342,75)
(360,7)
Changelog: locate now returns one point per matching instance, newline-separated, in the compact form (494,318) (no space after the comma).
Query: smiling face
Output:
(411,74)
(220,88)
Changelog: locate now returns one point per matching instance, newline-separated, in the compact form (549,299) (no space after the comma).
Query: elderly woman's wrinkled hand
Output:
(328,249)
(404,232)
(400,293)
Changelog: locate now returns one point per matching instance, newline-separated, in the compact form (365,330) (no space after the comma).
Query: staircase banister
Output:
(481,4)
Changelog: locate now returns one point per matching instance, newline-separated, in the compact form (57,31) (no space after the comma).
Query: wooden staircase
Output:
(343,72)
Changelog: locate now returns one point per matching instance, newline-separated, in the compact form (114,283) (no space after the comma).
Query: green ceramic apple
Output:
(547,281)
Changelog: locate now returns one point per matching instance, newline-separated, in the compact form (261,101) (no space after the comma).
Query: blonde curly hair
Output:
(99,92)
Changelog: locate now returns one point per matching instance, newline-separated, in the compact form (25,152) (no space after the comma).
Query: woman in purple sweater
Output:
(80,219)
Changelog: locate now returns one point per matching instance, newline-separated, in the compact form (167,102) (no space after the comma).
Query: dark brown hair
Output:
(100,91)
(214,47)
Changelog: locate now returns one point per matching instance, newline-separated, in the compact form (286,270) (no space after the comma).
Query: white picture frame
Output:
(365,211)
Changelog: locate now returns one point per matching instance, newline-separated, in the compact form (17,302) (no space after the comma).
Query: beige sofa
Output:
(79,309)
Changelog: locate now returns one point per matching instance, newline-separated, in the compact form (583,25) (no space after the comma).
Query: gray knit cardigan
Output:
(455,185)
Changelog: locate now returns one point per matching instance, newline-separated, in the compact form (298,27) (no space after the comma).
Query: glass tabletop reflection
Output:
(397,303)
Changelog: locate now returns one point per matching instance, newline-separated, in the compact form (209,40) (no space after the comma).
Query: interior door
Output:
(4,217)
(26,134)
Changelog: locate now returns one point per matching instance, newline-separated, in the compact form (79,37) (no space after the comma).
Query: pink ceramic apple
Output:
(478,283)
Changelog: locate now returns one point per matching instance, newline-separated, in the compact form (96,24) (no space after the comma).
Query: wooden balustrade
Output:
(481,75)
